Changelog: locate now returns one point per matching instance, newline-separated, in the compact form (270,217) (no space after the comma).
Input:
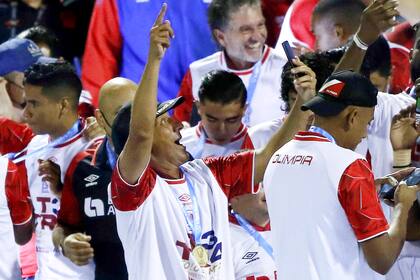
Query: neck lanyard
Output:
(112,156)
(251,90)
(195,224)
(254,233)
(76,128)
(199,149)
(322,132)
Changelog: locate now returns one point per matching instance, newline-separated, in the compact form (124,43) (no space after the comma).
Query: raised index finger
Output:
(161,15)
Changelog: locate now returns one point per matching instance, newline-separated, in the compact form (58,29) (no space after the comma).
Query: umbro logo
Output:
(249,255)
(184,197)
(92,180)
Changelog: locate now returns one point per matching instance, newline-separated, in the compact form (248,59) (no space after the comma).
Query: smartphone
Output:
(288,51)
(417,111)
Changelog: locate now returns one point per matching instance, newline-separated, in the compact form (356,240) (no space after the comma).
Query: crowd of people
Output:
(198,151)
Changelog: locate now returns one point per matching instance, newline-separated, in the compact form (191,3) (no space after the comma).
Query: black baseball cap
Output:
(340,90)
(121,123)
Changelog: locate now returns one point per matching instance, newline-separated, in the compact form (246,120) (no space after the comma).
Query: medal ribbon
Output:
(322,132)
(112,156)
(76,128)
(251,90)
(254,233)
(194,225)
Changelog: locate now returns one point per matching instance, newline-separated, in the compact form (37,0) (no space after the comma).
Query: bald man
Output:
(86,226)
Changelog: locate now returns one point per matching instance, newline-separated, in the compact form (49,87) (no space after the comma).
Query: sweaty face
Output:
(245,34)
(221,122)
(41,113)
(325,34)
(166,140)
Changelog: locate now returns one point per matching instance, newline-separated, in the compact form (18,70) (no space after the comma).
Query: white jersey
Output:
(52,265)
(155,210)
(199,146)
(9,268)
(262,133)
(378,141)
(250,260)
(254,262)
(266,103)
(316,228)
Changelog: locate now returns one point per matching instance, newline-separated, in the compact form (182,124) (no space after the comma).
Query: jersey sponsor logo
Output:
(47,218)
(292,159)
(96,208)
(91,179)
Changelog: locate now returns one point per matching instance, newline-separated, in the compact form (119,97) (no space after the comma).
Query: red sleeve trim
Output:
(127,197)
(14,136)
(17,194)
(69,213)
(358,197)
(183,112)
(234,173)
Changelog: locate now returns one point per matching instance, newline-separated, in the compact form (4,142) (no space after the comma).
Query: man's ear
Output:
(219,35)
(340,33)
(99,118)
(198,105)
(351,118)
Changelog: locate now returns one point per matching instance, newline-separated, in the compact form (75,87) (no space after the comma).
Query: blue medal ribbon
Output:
(253,80)
(322,132)
(194,225)
(254,233)
(112,156)
(76,128)
(198,150)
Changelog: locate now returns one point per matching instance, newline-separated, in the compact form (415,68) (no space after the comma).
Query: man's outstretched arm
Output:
(136,154)
(305,83)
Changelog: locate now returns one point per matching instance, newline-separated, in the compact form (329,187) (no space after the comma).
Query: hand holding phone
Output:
(288,51)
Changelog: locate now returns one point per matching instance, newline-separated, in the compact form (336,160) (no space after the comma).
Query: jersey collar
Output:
(267,227)
(243,129)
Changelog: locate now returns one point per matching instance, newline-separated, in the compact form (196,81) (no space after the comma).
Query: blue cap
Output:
(19,54)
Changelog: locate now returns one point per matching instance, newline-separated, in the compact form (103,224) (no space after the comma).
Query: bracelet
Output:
(359,43)
(402,158)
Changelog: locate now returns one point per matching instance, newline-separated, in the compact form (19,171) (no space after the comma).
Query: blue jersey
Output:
(118,41)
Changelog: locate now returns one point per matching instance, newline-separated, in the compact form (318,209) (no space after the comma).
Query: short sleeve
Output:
(14,136)
(358,197)
(17,193)
(127,197)
(234,173)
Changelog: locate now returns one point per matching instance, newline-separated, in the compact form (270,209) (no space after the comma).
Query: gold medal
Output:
(200,255)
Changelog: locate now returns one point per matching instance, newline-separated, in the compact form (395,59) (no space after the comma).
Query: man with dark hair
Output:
(334,21)
(86,226)
(171,212)
(239,29)
(44,38)
(221,107)
(347,235)
(51,97)
(377,64)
